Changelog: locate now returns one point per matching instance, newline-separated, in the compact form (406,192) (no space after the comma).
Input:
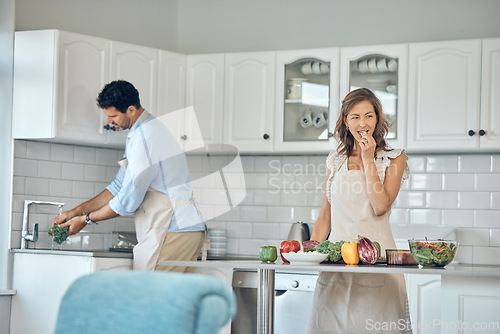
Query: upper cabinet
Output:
(204,92)
(57,76)
(489,132)
(444,95)
(382,69)
(249,100)
(307,86)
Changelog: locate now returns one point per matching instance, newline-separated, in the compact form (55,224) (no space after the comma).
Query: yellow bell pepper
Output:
(350,253)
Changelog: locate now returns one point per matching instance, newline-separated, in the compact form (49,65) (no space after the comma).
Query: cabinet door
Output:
(382,69)
(204,92)
(83,71)
(172,91)
(443,95)
(425,303)
(307,87)
(490,95)
(249,101)
(139,66)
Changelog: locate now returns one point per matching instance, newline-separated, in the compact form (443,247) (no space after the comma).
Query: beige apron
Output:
(358,303)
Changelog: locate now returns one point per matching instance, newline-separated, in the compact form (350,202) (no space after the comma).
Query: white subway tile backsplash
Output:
(49,169)
(25,167)
(473,200)
(425,216)
(35,186)
(426,182)
(399,216)
(495,201)
(84,155)
(417,163)
(83,189)
(250,247)
(458,218)
(458,182)
(62,153)
(20,148)
(265,230)
(495,163)
(277,183)
(265,197)
(442,164)
(37,150)
(71,171)
(495,237)
(18,184)
(253,213)
(442,200)
(280,213)
(486,255)
(296,165)
(315,198)
(63,188)
(474,163)
(318,162)
(305,214)
(410,199)
(487,218)
(239,230)
(107,157)
(256,180)
(473,236)
(248,163)
(487,182)
(293,198)
(95,173)
(464,254)
(264,164)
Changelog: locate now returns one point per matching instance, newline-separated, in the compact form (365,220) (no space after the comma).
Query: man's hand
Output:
(75,223)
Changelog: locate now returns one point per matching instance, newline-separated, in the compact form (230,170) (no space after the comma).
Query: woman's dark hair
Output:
(342,132)
(119,94)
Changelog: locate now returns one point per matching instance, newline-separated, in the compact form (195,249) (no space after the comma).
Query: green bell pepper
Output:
(268,254)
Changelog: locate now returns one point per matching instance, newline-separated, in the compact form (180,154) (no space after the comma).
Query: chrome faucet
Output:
(25,235)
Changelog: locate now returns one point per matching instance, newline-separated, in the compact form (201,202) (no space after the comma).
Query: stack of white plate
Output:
(218,242)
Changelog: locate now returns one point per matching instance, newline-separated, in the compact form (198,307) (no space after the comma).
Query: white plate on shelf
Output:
(305,258)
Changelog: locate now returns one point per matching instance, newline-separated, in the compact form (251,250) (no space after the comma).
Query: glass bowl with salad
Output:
(433,253)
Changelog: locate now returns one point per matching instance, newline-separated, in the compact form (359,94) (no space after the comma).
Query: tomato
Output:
(288,246)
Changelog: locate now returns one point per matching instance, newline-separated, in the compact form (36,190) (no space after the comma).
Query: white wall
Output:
(227,26)
(145,22)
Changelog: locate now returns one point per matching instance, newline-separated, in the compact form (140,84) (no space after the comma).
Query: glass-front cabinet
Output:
(382,69)
(306,100)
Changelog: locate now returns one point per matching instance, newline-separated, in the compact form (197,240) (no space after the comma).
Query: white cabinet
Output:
(249,100)
(41,281)
(490,95)
(307,100)
(444,95)
(424,298)
(382,69)
(204,92)
(57,77)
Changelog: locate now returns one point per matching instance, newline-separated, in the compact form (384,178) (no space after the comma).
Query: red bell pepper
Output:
(288,246)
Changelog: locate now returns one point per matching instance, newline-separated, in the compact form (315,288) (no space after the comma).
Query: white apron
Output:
(358,303)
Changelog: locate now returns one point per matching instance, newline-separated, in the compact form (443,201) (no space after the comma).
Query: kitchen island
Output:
(464,284)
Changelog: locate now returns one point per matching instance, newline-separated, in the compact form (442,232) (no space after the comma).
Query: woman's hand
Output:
(368,146)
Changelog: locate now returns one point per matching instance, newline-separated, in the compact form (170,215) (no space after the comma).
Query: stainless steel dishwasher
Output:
(293,301)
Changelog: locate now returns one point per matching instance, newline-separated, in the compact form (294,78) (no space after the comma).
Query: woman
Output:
(362,181)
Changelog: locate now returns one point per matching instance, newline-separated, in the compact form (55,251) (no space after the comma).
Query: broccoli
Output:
(330,248)
(59,234)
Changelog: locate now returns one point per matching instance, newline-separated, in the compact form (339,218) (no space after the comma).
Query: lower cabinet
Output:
(424,298)
(41,281)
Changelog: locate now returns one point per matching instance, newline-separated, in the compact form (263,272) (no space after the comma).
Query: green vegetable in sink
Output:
(330,248)
(59,234)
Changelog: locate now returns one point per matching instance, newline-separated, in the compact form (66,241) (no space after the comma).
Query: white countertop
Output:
(96,253)
(451,269)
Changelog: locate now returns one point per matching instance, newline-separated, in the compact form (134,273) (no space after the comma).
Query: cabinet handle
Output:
(265,136)
(482,132)
(184,137)
(471,133)
(330,135)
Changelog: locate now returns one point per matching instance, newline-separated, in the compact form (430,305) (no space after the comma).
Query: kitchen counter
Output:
(451,269)
(96,253)
(266,276)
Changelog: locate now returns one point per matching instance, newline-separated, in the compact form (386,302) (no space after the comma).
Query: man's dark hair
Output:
(120,94)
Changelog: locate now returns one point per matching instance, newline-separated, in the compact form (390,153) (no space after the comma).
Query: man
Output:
(153,183)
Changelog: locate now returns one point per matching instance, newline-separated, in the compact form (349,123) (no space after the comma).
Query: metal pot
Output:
(299,231)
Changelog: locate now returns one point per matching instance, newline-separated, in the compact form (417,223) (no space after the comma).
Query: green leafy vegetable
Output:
(330,248)
(59,234)
(432,253)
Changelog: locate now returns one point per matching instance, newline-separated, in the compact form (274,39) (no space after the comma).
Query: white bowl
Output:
(363,66)
(305,258)
(372,65)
